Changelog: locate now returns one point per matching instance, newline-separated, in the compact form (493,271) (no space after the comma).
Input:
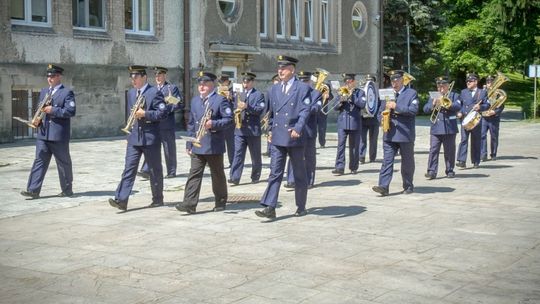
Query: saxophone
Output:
(385,121)
(131,119)
(238,113)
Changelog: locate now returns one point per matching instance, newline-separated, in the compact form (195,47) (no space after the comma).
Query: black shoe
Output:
(268,212)
(382,190)
(155,204)
(372,160)
(117,204)
(143,174)
(219,208)
(407,191)
(460,164)
(363,160)
(299,212)
(184,208)
(476,166)
(65,194)
(230,181)
(254,181)
(354,172)
(485,159)
(429,176)
(451,174)
(170,176)
(494,158)
(33,195)
(289,186)
(338,172)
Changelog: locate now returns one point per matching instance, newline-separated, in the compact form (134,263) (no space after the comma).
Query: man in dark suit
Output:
(290,101)
(371,125)
(473,99)
(491,120)
(210,117)
(148,108)
(443,130)
(251,105)
(57,104)
(400,136)
(174,101)
(226,90)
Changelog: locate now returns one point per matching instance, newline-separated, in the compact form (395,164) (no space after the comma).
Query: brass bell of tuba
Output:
(407,78)
(495,95)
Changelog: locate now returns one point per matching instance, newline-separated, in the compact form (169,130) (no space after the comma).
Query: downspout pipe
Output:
(187,62)
(381,43)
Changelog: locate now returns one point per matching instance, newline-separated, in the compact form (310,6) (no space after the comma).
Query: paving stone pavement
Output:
(472,239)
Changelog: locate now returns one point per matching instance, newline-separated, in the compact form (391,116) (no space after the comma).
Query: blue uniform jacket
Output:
(289,111)
(145,131)
(168,123)
(57,125)
(213,142)
(316,105)
(402,118)
(349,117)
(468,101)
(446,122)
(251,115)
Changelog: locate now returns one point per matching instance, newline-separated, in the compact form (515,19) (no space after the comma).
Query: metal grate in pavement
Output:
(243,198)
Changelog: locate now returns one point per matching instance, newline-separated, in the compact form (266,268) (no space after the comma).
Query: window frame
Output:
(282,21)
(87,18)
(325,24)
(362,13)
(297,19)
(136,21)
(263,31)
(28,15)
(308,3)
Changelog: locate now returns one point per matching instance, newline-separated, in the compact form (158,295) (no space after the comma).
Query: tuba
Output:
(407,78)
(131,119)
(223,90)
(319,84)
(444,102)
(170,99)
(496,96)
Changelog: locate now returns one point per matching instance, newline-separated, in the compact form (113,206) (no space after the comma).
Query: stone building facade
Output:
(95,41)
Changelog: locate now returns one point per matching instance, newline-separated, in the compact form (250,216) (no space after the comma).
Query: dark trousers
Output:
(217,173)
(44,151)
(390,150)
(373,130)
(448,141)
(277,167)
(229,142)
(310,155)
(241,144)
(476,141)
(321,128)
(490,126)
(354,137)
(168,141)
(152,155)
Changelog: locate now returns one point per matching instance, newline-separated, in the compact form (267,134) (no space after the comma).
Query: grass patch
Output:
(520,92)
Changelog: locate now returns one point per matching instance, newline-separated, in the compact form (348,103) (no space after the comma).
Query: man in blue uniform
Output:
(251,105)
(53,134)
(491,120)
(290,102)
(400,136)
(226,90)
(310,154)
(166,126)
(443,129)
(275,79)
(210,117)
(148,109)
(349,124)
(370,124)
(473,99)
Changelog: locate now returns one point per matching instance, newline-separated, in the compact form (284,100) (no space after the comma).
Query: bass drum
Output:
(471,120)
(372,99)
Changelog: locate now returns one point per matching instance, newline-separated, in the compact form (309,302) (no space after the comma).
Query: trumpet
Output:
(201,131)
(38,117)
(444,102)
(131,119)
(170,99)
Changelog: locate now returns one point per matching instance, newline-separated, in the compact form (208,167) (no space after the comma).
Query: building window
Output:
(359,19)
(88,13)
(280,22)
(139,16)
(264,18)
(308,20)
(295,19)
(31,12)
(324,21)
(229,9)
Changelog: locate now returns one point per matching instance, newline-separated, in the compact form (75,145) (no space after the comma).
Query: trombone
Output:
(344,92)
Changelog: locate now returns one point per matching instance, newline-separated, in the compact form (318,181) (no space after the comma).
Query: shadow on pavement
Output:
(483,166)
(473,175)
(426,190)
(513,157)
(347,182)
(337,211)
(96,193)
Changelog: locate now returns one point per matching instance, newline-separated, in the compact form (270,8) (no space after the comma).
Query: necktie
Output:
(284,88)
(138,93)
(50,91)
(205,100)
(396,94)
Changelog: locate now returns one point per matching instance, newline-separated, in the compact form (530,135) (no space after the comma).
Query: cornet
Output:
(131,119)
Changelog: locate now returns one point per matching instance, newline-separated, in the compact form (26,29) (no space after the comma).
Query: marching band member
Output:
(490,124)
(349,124)
(144,139)
(215,114)
(443,129)
(52,136)
(166,126)
(225,82)
(290,101)
(310,154)
(275,79)
(370,124)
(473,98)
(252,104)
(400,136)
